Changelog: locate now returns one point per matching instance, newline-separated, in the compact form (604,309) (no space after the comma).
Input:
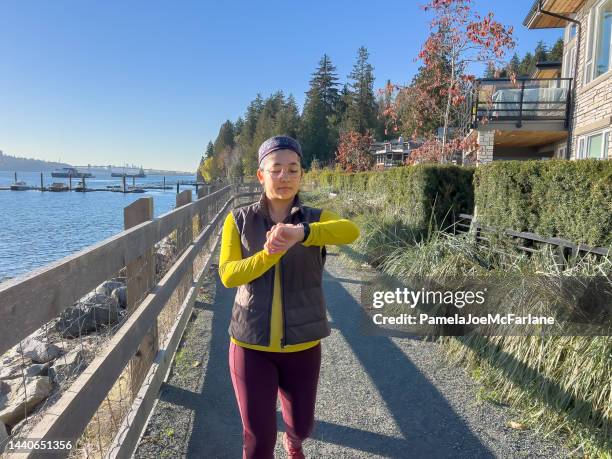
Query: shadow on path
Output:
(429,425)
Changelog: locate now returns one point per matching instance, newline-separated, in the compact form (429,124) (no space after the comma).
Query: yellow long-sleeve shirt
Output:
(331,229)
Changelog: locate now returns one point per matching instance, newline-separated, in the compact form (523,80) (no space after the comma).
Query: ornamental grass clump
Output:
(561,384)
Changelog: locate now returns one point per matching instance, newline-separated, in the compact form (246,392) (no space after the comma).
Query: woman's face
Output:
(281,174)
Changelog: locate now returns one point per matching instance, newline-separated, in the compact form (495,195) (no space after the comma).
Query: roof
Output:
(547,69)
(537,19)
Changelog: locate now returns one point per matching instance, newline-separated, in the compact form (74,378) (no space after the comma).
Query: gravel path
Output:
(378,396)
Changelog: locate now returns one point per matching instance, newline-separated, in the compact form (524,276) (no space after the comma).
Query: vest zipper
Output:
(270,310)
(284,338)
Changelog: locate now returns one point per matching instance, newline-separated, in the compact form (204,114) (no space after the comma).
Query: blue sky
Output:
(150,82)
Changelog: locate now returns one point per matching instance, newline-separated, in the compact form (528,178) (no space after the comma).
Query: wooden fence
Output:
(30,302)
(526,241)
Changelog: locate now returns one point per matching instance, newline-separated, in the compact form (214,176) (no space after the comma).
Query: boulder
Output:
(21,425)
(120,296)
(165,252)
(11,368)
(39,351)
(107,287)
(22,399)
(89,314)
(38,369)
(3,436)
(68,366)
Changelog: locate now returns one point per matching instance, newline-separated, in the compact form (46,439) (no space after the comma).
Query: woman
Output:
(274,252)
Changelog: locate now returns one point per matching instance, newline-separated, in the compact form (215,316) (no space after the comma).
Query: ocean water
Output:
(42,227)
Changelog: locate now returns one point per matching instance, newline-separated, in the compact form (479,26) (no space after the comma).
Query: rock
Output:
(107,287)
(89,314)
(3,436)
(165,251)
(68,366)
(4,388)
(38,369)
(36,390)
(120,296)
(11,369)
(17,428)
(40,352)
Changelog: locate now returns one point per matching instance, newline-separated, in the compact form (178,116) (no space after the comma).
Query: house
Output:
(392,153)
(556,113)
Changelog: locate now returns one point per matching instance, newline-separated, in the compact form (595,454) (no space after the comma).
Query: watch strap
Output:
(306,226)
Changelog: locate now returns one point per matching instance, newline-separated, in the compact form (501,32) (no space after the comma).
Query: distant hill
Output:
(16,163)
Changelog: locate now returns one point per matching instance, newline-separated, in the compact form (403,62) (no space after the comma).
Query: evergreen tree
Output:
(288,119)
(556,52)
(490,70)
(527,65)
(238,125)
(225,138)
(540,53)
(249,150)
(514,66)
(361,113)
(210,150)
(325,80)
(265,127)
(343,103)
(315,134)
(199,176)
(252,115)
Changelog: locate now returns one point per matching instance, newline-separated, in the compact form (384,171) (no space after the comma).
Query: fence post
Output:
(201,215)
(140,278)
(184,237)
(519,123)
(184,232)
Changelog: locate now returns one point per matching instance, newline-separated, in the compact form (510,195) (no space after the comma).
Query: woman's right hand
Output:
(279,238)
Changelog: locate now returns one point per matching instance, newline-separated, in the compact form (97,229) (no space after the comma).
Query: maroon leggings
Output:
(257,377)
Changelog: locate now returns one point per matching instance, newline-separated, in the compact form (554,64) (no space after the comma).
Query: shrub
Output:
(568,199)
(424,196)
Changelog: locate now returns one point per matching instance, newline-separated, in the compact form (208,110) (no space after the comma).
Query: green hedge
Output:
(568,199)
(422,190)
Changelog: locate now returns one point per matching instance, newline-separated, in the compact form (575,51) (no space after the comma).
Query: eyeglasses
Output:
(292,172)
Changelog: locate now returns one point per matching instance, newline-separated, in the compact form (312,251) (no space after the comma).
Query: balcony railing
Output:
(396,146)
(524,99)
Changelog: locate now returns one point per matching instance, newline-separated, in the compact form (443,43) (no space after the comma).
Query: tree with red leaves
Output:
(459,38)
(353,153)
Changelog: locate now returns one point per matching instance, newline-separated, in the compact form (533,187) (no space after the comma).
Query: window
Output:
(569,63)
(599,41)
(594,145)
(570,32)
(561,152)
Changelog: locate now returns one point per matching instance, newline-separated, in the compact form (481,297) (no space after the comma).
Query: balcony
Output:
(393,153)
(532,101)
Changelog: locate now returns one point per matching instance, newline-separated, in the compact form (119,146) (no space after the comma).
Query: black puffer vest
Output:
(304,309)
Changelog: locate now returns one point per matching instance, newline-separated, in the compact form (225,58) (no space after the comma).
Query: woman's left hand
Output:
(283,236)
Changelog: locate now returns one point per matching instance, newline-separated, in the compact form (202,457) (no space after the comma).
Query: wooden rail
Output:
(466,223)
(29,302)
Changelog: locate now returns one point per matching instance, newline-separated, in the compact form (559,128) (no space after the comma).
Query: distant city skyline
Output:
(151,83)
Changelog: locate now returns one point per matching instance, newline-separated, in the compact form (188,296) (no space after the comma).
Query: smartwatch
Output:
(306,226)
